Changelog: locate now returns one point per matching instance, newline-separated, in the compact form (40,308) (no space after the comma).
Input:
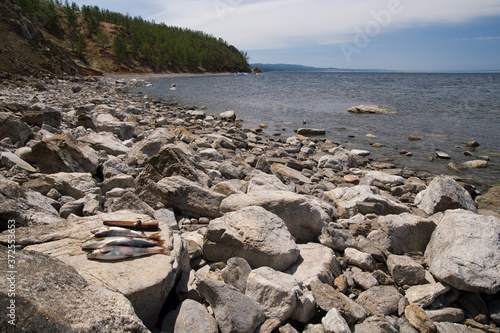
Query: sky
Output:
(420,35)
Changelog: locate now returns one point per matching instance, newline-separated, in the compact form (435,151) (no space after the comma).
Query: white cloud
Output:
(266,24)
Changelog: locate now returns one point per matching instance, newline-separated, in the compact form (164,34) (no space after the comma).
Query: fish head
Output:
(98,252)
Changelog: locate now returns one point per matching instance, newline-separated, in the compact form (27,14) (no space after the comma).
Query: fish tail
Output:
(164,251)
(160,242)
(156,236)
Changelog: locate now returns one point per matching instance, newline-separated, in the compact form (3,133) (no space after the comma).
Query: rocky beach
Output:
(265,234)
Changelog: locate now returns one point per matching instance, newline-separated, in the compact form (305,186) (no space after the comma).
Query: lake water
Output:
(446,110)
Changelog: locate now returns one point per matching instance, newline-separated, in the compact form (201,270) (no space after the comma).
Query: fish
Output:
(97,242)
(123,252)
(122,232)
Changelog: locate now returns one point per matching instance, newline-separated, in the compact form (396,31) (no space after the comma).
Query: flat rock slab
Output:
(145,281)
(370,108)
(52,296)
(464,251)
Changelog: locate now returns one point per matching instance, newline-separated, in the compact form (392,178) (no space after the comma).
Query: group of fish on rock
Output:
(116,243)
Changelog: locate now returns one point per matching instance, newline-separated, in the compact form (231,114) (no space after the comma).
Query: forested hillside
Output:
(108,42)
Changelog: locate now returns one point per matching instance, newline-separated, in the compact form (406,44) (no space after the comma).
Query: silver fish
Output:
(97,242)
(123,252)
(122,232)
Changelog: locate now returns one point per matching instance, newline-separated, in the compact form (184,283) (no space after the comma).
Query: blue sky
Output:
(428,35)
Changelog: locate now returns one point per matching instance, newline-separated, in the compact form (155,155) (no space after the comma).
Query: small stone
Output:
(442,154)
(334,322)
(371,136)
(414,138)
(419,319)
(360,259)
(476,164)
(472,143)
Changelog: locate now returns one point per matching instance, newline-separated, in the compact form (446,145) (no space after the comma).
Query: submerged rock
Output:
(370,108)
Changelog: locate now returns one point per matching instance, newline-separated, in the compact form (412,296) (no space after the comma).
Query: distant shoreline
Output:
(143,76)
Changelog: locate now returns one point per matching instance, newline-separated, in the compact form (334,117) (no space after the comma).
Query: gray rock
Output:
(304,216)
(450,315)
(402,233)
(211,154)
(311,131)
(456,328)
(105,141)
(261,181)
(63,153)
(194,317)
(423,295)
(48,116)
(227,115)
(364,280)
(236,273)
(489,203)
(234,311)
(316,263)
(337,239)
(146,292)
(331,162)
(288,175)
(442,155)
(384,178)
(363,199)
(380,300)
(25,206)
(360,259)
(73,184)
(114,166)
(230,187)
(405,270)
(108,123)
(328,298)
(229,171)
(370,108)
(252,233)
(92,204)
(128,201)
(177,192)
(333,322)
(314,328)
(117,181)
(58,299)
(72,207)
(276,292)
(444,193)
(141,151)
(464,251)
(15,129)
(11,159)
(376,324)
(166,216)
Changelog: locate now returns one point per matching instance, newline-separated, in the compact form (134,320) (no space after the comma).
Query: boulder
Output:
(25,206)
(73,184)
(333,322)
(423,295)
(141,151)
(316,263)
(11,159)
(377,324)
(114,166)
(328,298)
(464,251)
(404,233)
(383,177)
(261,181)
(380,300)
(48,116)
(230,187)
(117,181)
(147,292)
(405,270)
(228,115)
(311,131)
(475,164)
(252,233)
(105,141)
(304,216)
(194,317)
(179,193)
(444,193)
(419,319)
(360,259)
(489,203)
(234,312)
(236,273)
(337,239)
(370,109)
(288,175)
(58,299)
(331,162)
(363,199)
(63,153)
(128,201)
(108,123)
(12,127)
(279,294)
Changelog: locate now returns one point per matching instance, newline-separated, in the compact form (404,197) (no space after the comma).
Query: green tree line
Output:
(158,46)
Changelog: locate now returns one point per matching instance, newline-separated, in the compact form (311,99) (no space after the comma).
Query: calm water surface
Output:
(446,110)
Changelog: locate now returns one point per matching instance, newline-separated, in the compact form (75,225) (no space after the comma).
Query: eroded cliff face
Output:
(25,50)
